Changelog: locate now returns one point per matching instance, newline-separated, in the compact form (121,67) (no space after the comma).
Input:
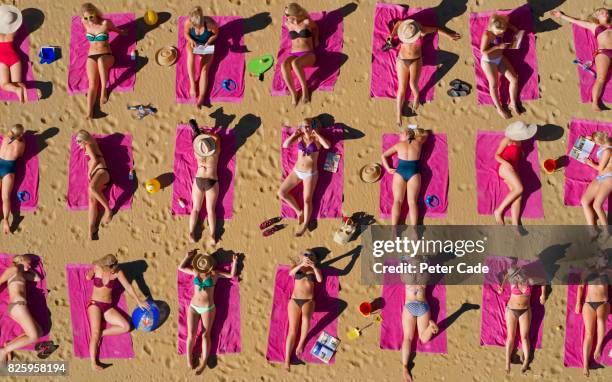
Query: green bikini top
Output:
(97,37)
(203,284)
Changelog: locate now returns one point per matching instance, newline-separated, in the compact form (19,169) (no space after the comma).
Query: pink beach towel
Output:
(492,189)
(79,293)
(26,176)
(579,175)
(37,304)
(228,62)
(435,158)
(493,321)
(523,60)
(384,75)
(391,332)
(185,167)
(21,43)
(574,332)
(328,194)
(225,334)
(122,75)
(117,151)
(324,74)
(324,318)
(585,44)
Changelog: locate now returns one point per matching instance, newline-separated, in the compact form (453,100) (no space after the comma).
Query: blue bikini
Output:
(201,38)
(407,168)
(7,167)
(599,153)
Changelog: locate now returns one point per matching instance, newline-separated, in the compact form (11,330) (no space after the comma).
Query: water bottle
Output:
(133,55)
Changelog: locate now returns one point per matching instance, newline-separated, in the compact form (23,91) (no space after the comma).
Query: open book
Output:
(331,162)
(325,347)
(583,147)
(518,38)
(201,50)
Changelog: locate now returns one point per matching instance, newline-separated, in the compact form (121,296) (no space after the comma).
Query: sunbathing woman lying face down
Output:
(406,177)
(410,59)
(201,31)
(11,67)
(11,149)
(100,56)
(600,24)
(494,62)
(508,155)
(309,143)
(16,277)
(304,35)
(104,274)
(302,304)
(202,305)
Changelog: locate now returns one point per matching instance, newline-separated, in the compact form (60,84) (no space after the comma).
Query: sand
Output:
(149,233)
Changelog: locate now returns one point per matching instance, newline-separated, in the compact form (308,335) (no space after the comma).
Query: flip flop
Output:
(270,222)
(271,231)
(259,65)
(45,349)
(457,84)
(457,93)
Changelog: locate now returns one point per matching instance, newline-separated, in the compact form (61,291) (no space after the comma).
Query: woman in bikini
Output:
(304,35)
(518,313)
(99,179)
(406,177)
(100,56)
(595,309)
(410,59)
(199,30)
(302,304)
(599,189)
(16,277)
(600,24)
(309,143)
(493,62)
(11,149)
(202,304)
(206,148)
(508,155)
(104,274)
(11,68)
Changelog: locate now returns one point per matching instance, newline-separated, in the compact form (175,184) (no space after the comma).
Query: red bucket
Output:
(365,308)
(550,165)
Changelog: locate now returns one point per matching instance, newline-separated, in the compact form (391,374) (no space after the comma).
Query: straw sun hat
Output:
(204,145)
(370,173)
(409,31)
(520,131)
(203,263)
(10,19)
(166,56)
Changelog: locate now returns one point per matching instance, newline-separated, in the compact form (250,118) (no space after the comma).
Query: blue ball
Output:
(146,320)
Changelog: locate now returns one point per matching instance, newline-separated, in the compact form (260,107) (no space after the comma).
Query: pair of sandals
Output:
(45,349)
(459,88)
(271,226)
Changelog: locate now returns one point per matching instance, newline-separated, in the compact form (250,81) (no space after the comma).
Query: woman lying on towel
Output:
(104,274)
(200,31)
(206,148)
(600,24)
(304,35)
(16,278)
(100,56)
(598,191)
(508,155)
(99,179)
(410,59)
(309,143)
(11,149)
(595,308)
(406,177)
(518,313)
(202,305)
(302,304)
(494,62)
(11,67)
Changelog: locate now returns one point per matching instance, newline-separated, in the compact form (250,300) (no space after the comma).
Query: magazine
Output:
(583,147)
(201,50)
(331,162)
(518,38)
(325,347)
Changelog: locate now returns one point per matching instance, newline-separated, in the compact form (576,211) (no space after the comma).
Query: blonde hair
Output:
(601,137)
(498,23)
(196,16)
(20,258)
(592,18)
(16,131)
(92,9)
(296,10)
(83,136)
(107,263)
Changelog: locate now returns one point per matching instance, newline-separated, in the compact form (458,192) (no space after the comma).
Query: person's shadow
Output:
(246,126)
(33,19)
(119,163)
(539,9)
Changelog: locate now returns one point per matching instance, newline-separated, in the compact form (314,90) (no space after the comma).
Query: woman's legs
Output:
(602,64)
(412,194)
(31,331)
(284,193)
(508,71)
(524,328)
(294,314)
(211,210)
(96,185)
(205,62)
(192,331)
(17,79)
(310,184)
(197,197)
(208,318)
(288,78)
(511,322)
(6,188)
(589,317)
(507,173)
(587,199)
(94,314)
(298,66)
(409,323)
(491,72)
(6,83)
(602,315)
(104,65)
(307,310)
(399,187)
(116,323)
(415,74)
(403,76)
(93,77)
(426,327)
(605,187)
(191,70)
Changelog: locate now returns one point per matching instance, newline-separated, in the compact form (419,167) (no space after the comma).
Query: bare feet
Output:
(595,106)
(6,227)
(200,369)
(306,96)
(299,350)
(499,217)
(507,368)
(415,105)
(192,90)
(525,366)
(433,326)
(597,354)
(211,241)
(300,216)
(192,237)
(103,97)
(407,375)
(301,230)
(295,98)
(191,361)
(21,94)
(585,371)
(96,367)
(3,358)
(108,217)
(287,366)
(503,113)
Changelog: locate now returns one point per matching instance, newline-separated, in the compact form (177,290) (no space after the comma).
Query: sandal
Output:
(45,349)
(457,93)
(459,85)
(270,222)
(271,231)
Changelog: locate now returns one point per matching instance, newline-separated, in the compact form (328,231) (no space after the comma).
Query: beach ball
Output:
(146,320)
(152,186)
(150,17)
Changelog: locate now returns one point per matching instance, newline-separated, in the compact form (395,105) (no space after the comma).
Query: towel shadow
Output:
(222,120)
(257,22)
(246,126)
(134,271)
(450,319)
(549,132)
(165,179)
(539,9)
(353,254)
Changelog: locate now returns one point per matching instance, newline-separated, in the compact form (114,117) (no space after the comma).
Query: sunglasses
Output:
(89,18)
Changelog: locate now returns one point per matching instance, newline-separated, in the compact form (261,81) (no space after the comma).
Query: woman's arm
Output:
(130,290)
(295,269)
(452,35)
(384,158)
(500,150)
(7,274)
(111,27)
(289,141)
(486,47)
(603,162)
(214,29)
(581,23)
(579,292)
(500,288)
(185,265)
(190,41)
(322,140)
(393,32)
(318,273)
(232,273)
(90,273)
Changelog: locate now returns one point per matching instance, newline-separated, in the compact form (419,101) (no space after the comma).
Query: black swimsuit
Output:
(298,276)
(304,33)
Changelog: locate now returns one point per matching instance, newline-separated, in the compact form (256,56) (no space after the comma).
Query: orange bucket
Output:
(365,308)
(550,165)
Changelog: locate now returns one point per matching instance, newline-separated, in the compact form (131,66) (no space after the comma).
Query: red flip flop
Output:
(270,222)
(271,231)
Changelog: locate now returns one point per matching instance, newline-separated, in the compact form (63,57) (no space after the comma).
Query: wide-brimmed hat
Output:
(166,56)
(203,262)
(370,173)
(520,131)
(409,31)
(204,145)
(10,19)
